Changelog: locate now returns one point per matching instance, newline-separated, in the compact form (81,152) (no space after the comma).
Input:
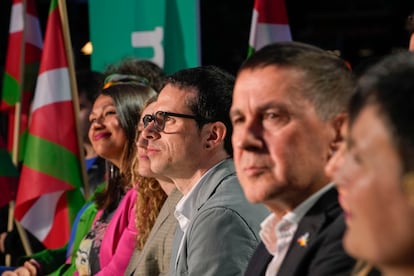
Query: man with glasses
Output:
(189,142)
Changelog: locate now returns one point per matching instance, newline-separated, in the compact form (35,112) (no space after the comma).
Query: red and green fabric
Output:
(269,24)
(8,176)
(22,62)
(49,194)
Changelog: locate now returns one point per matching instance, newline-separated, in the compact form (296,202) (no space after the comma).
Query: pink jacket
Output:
(120,237)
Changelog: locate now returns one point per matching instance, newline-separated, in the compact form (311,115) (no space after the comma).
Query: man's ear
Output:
(214,134)
(338,122)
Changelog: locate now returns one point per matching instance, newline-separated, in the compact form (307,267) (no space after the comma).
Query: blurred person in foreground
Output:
(375,173)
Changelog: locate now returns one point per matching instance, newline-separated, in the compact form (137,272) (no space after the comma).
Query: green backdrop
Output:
(164,31)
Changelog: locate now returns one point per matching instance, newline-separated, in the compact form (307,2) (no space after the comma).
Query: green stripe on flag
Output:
(11,94)
(250,51)
(22,143)
(57,162)
(75,201)
(53,5)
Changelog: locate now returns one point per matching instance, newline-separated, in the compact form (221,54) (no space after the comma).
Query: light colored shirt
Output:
(185,209)
(277,233)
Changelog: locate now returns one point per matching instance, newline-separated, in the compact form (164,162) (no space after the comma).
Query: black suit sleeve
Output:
(330,257)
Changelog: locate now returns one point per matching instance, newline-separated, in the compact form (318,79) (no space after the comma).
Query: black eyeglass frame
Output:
(148,118)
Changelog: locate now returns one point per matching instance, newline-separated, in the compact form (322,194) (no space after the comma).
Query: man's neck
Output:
(184,185)
(166,186)
(282,205)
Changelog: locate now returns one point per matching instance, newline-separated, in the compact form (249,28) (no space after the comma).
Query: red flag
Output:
(49,194)
(22,63)
(269,24)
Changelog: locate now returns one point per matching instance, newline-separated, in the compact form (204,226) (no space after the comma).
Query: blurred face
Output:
(280,144)
(107,136)
(85,107)
(379,219)
(144,165)
(175,151)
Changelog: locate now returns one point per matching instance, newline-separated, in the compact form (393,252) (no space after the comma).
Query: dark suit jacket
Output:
(323,255)
(154,259)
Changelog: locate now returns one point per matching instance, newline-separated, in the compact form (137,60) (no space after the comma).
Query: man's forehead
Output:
(172,99)
(149,108)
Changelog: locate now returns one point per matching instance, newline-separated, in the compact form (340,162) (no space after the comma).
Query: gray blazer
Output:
(223,234)
(154,259)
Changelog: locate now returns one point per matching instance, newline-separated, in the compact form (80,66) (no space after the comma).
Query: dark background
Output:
(362,30)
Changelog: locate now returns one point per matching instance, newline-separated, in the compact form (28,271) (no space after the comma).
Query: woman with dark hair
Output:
(106,249)
(113,121)
(375,174)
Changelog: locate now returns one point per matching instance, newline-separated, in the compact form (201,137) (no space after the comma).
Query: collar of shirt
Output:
(186,207)
(274,227)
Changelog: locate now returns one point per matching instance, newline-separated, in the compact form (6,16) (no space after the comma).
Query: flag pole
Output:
(18,114)
(16,143)
(74,89)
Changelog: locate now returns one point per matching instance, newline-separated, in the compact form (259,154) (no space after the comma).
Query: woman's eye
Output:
(112,112)
(92,120)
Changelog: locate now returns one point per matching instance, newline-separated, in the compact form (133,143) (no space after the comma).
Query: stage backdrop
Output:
(164,31)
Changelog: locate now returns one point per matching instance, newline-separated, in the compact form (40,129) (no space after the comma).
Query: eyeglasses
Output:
(160,118)
(114,79)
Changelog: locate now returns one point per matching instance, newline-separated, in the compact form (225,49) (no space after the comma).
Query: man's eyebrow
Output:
(272,105)
(235,111)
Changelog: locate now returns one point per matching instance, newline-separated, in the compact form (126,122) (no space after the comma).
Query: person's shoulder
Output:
(227,193)
(230,196)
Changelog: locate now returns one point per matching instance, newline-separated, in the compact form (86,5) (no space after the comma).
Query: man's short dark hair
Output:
(327,81)
(214,89)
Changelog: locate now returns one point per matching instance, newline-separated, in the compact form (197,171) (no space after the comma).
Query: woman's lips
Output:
(101,135)
(143,156)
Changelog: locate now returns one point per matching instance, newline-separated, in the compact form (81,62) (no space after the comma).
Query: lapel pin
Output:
(303,240)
